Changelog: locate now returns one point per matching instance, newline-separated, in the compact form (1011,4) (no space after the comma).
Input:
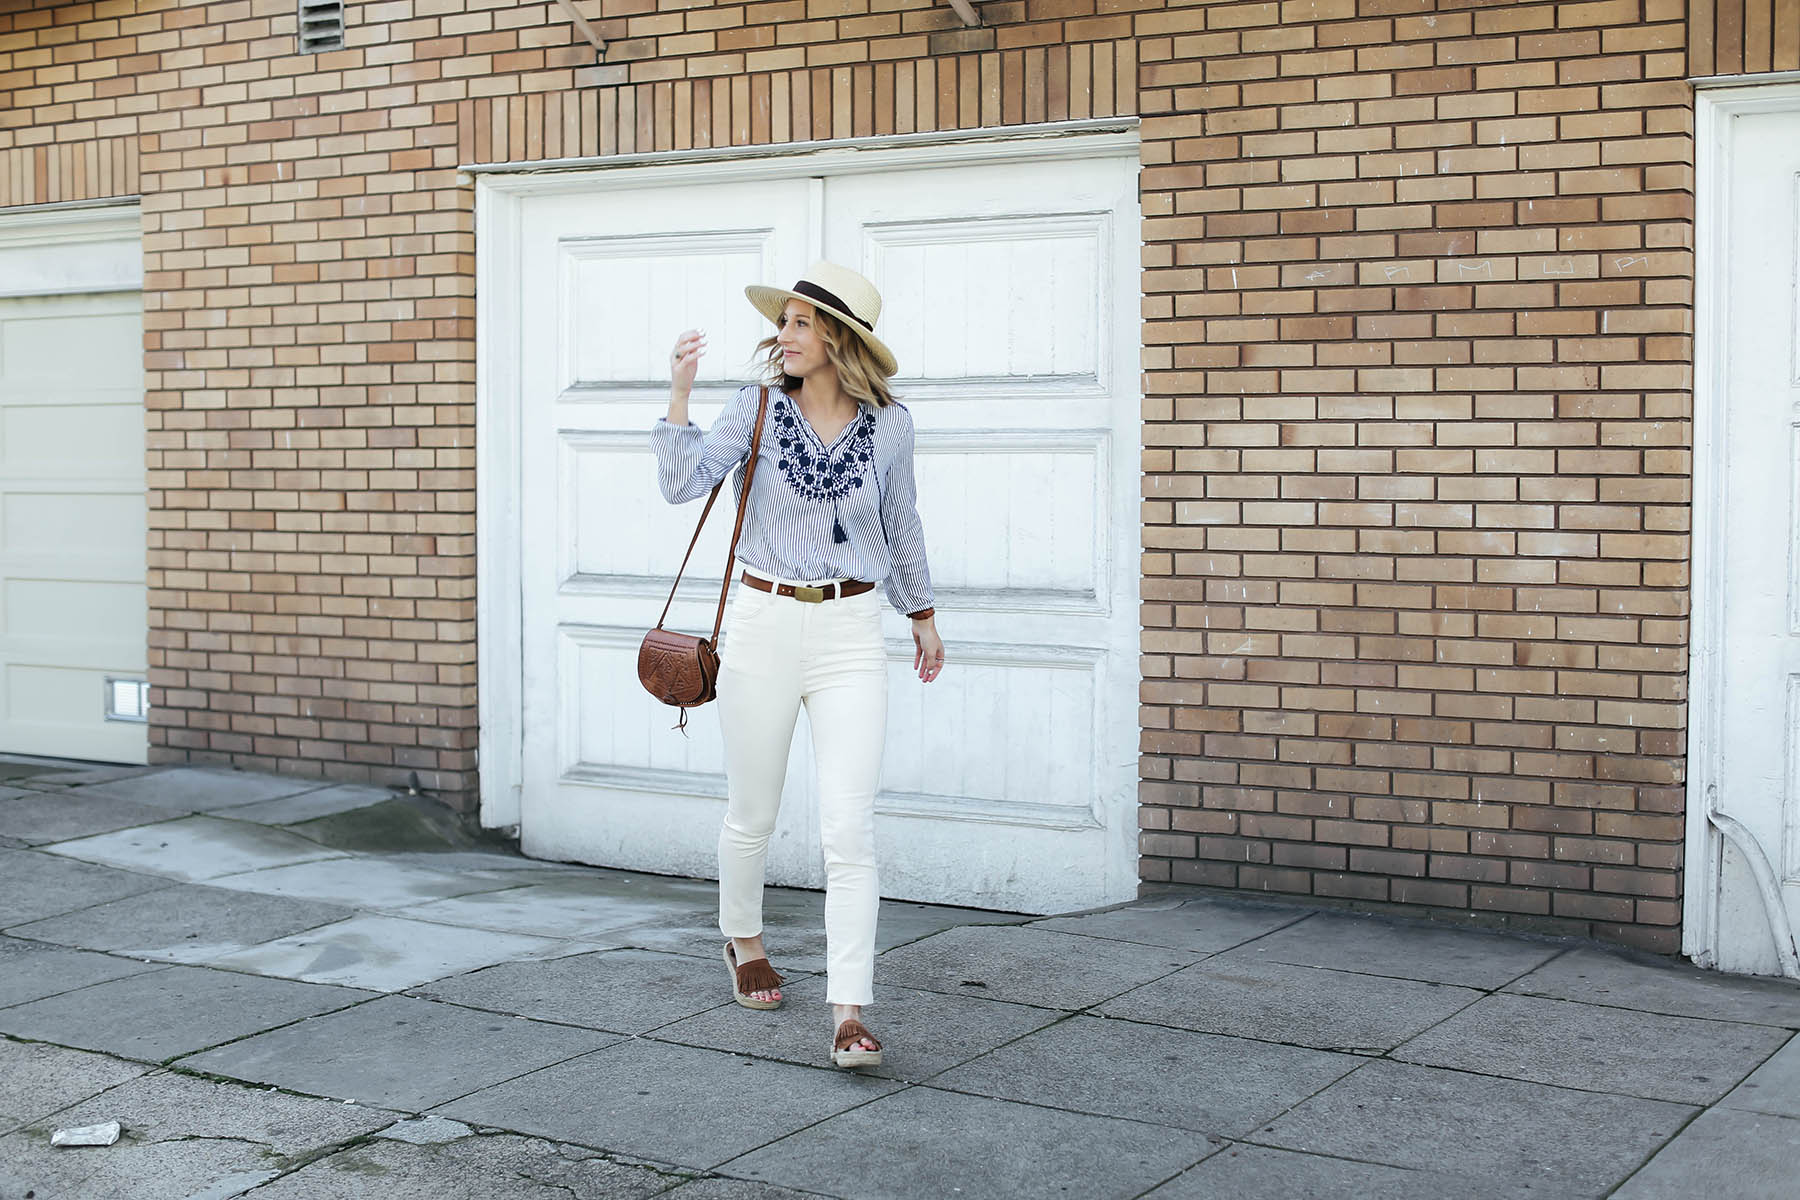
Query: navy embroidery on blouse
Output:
(819,472)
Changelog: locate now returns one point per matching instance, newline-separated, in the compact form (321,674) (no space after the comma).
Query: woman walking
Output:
(832,513)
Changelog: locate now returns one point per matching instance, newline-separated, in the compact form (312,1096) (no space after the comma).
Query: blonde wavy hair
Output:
(859,375)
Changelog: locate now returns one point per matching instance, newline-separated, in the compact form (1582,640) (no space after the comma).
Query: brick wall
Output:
(1417,299)
(1420,300)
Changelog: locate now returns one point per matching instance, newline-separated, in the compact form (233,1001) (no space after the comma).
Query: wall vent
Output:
(321,25)
(127,700)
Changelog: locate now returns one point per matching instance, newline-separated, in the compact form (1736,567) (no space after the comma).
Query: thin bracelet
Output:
(924,614)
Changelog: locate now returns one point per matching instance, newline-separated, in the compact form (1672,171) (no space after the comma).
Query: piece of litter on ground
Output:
(87,1135)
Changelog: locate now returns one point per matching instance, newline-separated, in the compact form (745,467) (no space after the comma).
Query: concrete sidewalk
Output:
(283,989)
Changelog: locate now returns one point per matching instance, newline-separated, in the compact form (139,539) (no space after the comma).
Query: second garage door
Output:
(73,610)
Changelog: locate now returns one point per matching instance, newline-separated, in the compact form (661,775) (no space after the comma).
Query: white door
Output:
(1010,296)
(73,611)
(609,279)
(1756,543)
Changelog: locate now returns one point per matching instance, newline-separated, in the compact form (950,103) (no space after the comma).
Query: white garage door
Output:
(1010,296)
(73,612)
(1746,747)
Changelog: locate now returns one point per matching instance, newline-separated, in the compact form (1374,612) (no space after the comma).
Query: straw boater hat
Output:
(839,291)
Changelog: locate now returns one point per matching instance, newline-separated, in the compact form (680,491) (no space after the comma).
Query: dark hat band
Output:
(813,291)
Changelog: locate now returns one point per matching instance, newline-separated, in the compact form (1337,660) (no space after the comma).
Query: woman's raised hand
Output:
(684,360)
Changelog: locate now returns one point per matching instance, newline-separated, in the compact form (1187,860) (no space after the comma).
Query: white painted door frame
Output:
(1716,103)
(66,249)
(500,194)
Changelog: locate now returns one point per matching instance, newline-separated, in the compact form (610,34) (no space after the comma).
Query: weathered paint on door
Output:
(1010,298)
(1758,756)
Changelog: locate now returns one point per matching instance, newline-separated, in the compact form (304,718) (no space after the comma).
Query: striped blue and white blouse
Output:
(844,511)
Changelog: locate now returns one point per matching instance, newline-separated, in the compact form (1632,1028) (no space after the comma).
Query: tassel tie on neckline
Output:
(815,471)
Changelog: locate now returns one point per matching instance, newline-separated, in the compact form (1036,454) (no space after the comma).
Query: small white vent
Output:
(127,700)
(321,25)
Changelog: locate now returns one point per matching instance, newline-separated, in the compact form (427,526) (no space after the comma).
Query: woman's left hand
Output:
(928,649)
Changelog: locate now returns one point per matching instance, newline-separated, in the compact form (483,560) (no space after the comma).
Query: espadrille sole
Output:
(856,1058)
(849,1032)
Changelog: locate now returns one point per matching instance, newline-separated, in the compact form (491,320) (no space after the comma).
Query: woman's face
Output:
(802,350)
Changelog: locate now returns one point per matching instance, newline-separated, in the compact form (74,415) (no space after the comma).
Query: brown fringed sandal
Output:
(848,1034)
(754,976)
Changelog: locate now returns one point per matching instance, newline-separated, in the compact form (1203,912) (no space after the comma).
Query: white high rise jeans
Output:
(777,654)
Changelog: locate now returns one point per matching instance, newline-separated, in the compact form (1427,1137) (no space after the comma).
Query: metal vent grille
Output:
(321,25)
(127,699)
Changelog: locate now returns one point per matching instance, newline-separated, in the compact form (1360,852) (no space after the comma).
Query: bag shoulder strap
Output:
(762,409)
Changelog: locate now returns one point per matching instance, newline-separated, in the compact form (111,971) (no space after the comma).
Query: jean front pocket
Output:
(745,603)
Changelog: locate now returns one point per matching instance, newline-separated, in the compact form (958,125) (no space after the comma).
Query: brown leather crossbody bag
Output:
(680,668)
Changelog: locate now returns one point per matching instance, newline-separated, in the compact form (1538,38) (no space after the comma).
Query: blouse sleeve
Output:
(909,579)
(689,463)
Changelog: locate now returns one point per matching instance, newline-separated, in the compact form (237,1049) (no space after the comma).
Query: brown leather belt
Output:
(809,595)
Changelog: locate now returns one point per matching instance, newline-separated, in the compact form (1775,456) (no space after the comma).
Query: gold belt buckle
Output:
(809,595)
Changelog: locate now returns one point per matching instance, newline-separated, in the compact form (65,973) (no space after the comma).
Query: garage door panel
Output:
(72,522)
(39,349)
(67,738)
(997,297)
(625,783)
(57,440)
(972,733)
(1014,513)
(612,721)
(53,694)
(620,290)
(613,523)
(52,608)
(109,656)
